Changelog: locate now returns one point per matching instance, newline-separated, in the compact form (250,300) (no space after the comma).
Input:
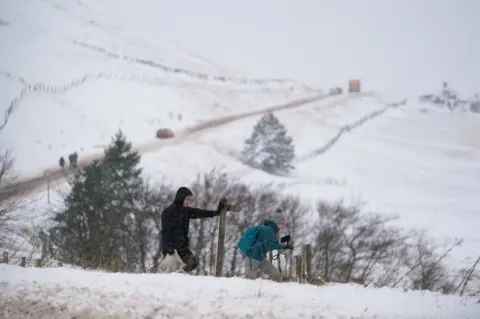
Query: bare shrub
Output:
(18,242)
(349,246)
(26,244)
(425,267)
(469,274)
(11,200)
(255,204)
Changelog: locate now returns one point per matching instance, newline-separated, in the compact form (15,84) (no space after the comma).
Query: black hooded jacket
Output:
(176,220)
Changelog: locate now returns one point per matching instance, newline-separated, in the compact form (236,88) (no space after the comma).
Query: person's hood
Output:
(271,223)
(182,192)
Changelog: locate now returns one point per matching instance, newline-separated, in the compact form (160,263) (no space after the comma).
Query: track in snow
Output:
(34,184)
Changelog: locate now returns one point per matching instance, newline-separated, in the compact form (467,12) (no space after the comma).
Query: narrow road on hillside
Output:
(38,182)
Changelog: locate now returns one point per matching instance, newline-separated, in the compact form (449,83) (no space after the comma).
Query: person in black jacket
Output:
(174,233)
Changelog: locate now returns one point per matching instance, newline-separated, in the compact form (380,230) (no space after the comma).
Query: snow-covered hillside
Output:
(422,166)
(62,292)
(89,81)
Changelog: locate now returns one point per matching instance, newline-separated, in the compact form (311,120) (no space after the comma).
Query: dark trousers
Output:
(188,258)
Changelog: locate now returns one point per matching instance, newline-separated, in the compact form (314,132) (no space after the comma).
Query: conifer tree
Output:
(269,147)
(98,225)
(81,229)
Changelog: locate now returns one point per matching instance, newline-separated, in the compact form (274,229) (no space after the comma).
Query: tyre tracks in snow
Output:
(37,183)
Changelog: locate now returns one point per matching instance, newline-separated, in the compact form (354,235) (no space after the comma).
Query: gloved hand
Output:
(222,205)
(285,239)
(288,246)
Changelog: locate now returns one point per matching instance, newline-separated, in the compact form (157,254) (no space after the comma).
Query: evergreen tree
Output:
(81,230)
(268,147)
(121,163)
(126,185)
(98,224)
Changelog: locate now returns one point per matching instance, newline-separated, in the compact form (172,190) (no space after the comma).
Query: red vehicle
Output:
(165,133)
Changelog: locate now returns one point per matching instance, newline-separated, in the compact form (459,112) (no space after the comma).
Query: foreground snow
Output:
(62,293)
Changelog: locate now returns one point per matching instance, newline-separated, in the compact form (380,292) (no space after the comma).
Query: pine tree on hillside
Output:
(99,220)
(268,147)
(122,162)
(126,183)
(82,229)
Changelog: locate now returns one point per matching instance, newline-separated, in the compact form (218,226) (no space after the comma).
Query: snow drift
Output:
(62,292)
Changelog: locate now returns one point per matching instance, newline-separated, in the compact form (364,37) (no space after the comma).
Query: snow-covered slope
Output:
(424,167)
(62,292)
(70,88)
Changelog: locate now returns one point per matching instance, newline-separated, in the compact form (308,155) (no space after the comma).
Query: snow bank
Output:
(61,293)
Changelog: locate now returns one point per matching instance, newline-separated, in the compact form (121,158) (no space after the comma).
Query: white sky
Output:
(420,42)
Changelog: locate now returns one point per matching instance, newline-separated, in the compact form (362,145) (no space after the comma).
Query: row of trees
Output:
(6,206)
(111,220)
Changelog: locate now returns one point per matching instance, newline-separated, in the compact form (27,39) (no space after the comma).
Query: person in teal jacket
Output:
(256,242)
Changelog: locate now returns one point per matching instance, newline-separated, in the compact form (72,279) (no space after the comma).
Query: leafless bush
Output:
(425,267)
(364,248)
(469,274)
(8,204)
(27,244)
(349,246)
(255,205)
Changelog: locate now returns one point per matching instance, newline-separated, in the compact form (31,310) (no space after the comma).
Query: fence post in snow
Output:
(5,257)
(307,262)
(220,244)
(23,262)
(289,264)
(279,264)
(298,268)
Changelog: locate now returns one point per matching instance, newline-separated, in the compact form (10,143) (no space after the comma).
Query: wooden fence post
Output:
(298,268)
(279,264)
(290,265)
(5,257)
(307,262)
(38,263)
(23,262)
(220,244)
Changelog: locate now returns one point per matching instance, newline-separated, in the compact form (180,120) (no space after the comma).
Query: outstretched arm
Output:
(271,241)
(195,213)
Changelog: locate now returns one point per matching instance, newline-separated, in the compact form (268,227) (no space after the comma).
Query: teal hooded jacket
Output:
(261,242)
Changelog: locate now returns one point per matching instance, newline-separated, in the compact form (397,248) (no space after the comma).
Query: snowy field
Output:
(61,293)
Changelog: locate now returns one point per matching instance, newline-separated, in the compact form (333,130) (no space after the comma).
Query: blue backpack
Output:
(248,239)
